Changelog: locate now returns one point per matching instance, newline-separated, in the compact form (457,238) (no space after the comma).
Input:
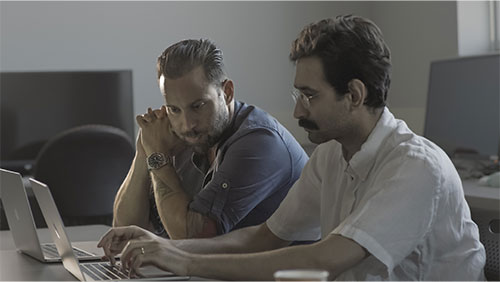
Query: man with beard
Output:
(205,163)
(386,203)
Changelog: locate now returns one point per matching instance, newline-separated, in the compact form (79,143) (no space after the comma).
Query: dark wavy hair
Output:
(349,47)
(182,57)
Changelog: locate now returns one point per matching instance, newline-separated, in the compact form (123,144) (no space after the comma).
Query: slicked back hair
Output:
(349,47)
(184,56)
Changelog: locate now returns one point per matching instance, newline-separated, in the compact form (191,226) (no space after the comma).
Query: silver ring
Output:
(142,250)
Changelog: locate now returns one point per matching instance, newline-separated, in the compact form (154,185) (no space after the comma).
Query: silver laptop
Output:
(22,225)
(95,271)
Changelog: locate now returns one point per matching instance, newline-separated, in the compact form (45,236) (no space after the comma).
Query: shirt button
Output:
(224,185)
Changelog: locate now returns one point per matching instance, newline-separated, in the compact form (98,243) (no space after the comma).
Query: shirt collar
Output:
(231,129)
(363,160)
(200,161)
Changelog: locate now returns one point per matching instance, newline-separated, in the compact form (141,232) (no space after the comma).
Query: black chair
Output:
(84,167)
(488,223)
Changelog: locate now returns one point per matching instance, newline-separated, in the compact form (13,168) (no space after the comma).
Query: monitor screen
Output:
(463,105)
(35,106)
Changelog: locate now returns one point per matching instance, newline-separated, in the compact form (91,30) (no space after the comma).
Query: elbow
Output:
(337,254)
(200,226)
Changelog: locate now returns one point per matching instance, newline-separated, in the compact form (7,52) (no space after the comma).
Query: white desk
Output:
(481,197)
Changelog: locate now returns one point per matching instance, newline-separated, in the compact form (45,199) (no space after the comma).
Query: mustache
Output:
(190,134)
(305,123)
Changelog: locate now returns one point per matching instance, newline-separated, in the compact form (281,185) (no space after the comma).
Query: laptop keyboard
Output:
(50,251)
(103,271)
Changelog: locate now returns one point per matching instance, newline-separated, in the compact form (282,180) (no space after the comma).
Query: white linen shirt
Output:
(399,197)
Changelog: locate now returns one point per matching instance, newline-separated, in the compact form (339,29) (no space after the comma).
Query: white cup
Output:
(301,275)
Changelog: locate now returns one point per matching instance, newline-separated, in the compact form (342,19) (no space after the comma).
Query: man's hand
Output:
(140,247)
(157,134)
(115,240)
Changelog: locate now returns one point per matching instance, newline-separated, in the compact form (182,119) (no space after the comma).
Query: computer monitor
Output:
(463,105)
(36,106)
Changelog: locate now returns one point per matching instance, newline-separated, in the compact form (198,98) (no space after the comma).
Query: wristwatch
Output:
(157,160)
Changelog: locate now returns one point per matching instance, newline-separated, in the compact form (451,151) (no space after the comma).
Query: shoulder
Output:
(249,118)
(325,157)
(409,153)
(254,126)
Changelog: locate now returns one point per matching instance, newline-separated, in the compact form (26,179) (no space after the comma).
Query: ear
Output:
(228,88)
(358,92)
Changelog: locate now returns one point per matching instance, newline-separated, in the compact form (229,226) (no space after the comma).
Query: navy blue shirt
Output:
(257,162)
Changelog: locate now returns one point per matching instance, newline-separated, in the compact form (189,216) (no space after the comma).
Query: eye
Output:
(310,95)
(198,105)
(173,110)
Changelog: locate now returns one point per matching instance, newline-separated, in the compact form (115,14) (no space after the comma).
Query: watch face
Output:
(156,160)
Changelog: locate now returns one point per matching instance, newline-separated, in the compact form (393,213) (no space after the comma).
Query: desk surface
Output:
(15,266)
(481,197)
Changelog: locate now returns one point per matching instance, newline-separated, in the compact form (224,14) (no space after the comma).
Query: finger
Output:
(105,238)
(164,110)
(158,113)
(112,260)
(128,252)
(113,241)
(147,118)
(141,121)
(151,115)
(135,264)
(105,242)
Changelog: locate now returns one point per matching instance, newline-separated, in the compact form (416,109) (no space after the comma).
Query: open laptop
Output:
(22,225)
(95,271)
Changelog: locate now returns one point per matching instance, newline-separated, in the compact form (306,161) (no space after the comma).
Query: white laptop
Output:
(95,271)
(22,225)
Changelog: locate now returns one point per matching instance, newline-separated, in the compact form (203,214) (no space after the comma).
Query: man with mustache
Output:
(385,203)
(205,163)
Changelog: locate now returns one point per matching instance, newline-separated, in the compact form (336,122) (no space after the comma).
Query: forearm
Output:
(332,255)
(172,202)
(131,206)
(246,240)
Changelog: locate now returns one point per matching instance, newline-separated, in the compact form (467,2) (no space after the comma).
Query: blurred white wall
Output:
(473,27)
(417,33)
(255,38)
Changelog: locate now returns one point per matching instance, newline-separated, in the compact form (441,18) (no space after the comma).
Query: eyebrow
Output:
(190,104)
(305,88)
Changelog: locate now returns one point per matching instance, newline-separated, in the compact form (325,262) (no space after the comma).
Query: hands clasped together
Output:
(156,134)
(139,247)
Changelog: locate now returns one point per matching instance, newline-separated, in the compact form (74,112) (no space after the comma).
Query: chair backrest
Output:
(488,223)
(84,167)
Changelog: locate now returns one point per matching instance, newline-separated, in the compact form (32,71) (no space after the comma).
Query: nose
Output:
(189,122)
(300,111)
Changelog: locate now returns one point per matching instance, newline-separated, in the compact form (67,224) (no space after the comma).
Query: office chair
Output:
(84,167)
(488,223)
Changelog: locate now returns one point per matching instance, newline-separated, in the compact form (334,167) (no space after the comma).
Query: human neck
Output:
(211,153)
(361,130)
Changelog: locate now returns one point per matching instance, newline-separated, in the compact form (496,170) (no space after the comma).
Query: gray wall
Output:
(255,38)
(417,33)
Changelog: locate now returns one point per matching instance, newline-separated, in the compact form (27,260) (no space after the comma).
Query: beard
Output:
(209,138)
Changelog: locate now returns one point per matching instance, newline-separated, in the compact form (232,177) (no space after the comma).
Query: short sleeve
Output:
(298,217)
(395,218)
(254,166)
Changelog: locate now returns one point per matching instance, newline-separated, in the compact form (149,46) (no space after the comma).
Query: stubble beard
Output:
(220,124)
